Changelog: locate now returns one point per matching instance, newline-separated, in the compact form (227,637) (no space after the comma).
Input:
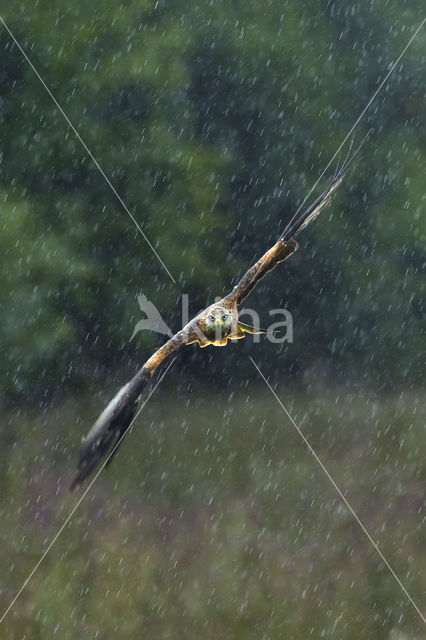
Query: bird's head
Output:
(218,317)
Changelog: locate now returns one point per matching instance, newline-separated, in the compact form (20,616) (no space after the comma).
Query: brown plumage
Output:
(215,325)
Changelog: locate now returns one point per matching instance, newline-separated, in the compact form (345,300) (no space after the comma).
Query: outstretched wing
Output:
(287,245)
(279,252)
(109,429)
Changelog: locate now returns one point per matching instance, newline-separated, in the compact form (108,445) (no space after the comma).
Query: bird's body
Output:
(216,325)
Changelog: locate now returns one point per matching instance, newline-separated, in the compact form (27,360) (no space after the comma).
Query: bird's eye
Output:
(211,318)
(225,315)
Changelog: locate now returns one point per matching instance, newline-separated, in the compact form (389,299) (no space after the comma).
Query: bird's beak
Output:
(218,322)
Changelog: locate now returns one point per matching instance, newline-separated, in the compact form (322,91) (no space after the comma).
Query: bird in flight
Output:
(217,324)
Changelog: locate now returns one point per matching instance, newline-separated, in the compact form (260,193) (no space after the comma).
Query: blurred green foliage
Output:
(212,121)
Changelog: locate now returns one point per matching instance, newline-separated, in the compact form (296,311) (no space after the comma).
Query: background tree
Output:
(212,124)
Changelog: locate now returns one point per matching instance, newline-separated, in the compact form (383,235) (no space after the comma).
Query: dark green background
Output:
(212,120)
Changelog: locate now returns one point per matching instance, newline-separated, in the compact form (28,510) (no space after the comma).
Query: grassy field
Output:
(216,522)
